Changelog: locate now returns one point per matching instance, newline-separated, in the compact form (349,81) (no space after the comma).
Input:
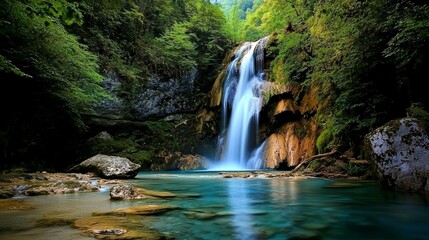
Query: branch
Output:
(309,160)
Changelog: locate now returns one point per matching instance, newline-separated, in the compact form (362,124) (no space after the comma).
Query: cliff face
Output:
(287,120)
(156,99)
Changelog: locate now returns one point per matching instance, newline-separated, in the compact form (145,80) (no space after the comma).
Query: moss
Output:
(356,170)
(314,165)
(417,110)
(108,146)
(141,157)
(322,142)
(300,131)
(126,147)
(160,127)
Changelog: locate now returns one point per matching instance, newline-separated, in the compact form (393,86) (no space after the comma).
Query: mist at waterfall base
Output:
(238,146)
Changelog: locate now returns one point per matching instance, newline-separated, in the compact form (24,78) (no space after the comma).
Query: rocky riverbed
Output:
(33,184)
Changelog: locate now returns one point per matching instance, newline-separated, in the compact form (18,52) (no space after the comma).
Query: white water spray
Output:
(241,103)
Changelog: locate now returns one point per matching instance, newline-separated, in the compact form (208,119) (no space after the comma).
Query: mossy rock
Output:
(115,227)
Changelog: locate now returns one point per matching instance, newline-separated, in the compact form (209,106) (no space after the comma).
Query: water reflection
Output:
(239,203)
(284,192)
(274,209)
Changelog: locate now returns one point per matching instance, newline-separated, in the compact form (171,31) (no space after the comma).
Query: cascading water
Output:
(241,103)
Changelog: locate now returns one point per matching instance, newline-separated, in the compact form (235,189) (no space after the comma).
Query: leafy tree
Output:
(48,79)
(36,45)
(178,51)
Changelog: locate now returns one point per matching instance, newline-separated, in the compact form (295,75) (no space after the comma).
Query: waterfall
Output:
(241,104)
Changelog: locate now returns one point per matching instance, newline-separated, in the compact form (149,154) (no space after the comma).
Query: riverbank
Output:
(43,183)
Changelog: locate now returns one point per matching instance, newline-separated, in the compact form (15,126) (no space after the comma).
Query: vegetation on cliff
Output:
(366,58)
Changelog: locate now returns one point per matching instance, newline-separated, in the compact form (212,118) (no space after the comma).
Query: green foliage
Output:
(323,140)
(314,165)
(236,12)
(110,146)
(416,110)
(123,147)
(178,52)
(160,127)
(8,67)
(48,53)
(356,170)
(54,11)
(412,33)
(53,54)
(142,38)
(141,157)
(301,131)
(364,57)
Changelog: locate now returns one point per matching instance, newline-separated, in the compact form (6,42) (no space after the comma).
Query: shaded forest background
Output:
(367,59)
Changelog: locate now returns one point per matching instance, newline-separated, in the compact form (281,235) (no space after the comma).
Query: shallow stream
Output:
(241,208)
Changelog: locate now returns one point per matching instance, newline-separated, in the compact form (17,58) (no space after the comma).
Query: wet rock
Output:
(125,192)
(138,210)
(189,195)
(60,187)
(258,174)
(14,204)
(158,194)
(201,215)
(49,221)
(113,231)
(400,154)
(104,135)
(108,167)
(37,191)
(292,143)
(113,227)
(160,98)
(7,192)
(33,184)
(130,192)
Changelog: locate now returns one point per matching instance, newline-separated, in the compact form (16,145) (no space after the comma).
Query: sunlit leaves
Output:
(49,53)
(54,10)
(177,50)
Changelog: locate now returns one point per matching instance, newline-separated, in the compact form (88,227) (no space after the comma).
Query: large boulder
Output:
(400,150)
(108,167)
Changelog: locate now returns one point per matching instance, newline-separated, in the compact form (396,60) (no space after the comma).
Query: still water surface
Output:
(237,208)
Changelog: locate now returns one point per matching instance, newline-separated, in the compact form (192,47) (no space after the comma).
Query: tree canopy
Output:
(54,54)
